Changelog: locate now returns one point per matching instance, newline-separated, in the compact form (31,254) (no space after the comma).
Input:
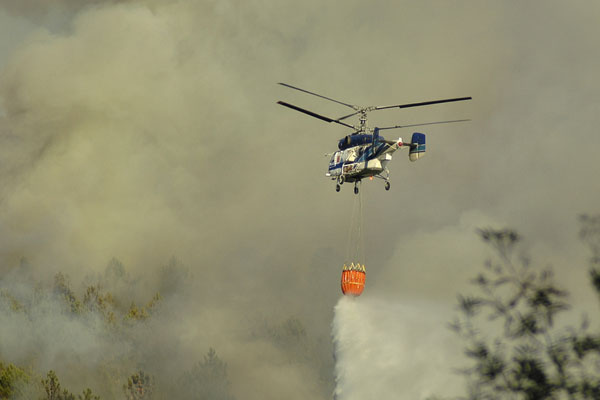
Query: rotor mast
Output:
(362,128)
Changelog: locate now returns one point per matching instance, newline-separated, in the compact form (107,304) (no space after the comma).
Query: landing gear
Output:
(341,179)
(387,185)
(355,189)
(337,187)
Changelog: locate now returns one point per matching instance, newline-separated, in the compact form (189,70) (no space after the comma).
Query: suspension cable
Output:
(355,247)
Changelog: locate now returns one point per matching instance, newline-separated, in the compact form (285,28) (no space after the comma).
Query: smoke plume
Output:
(387,350)
(146,131)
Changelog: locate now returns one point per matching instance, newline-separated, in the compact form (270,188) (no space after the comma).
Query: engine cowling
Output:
(354,140)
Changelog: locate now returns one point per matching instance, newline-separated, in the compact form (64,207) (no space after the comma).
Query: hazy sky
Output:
(145,129)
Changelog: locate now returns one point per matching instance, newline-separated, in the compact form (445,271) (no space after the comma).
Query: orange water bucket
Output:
(353,279)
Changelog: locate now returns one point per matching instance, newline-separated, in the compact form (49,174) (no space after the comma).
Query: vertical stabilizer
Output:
(417,146)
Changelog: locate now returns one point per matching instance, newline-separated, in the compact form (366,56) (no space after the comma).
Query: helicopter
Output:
(365,153)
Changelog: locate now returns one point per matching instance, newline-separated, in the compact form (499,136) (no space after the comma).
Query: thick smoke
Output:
(128,135)
(146,129)
(42,10)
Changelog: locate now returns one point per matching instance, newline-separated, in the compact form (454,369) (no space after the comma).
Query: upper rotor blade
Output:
(318,95)
(425,103)
(426,123)
(347,116)
(312,114)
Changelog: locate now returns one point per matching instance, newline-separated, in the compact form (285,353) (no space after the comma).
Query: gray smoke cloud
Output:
(143,129)
(44,11)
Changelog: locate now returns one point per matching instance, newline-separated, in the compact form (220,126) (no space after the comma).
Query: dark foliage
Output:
(53,390)
(516,351)
(139,387)
(11,378)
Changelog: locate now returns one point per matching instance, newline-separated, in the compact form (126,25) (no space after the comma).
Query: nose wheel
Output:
(337,187)
(387,185)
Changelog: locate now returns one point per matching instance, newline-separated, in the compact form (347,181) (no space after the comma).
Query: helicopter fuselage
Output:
(365,154)
(353,163)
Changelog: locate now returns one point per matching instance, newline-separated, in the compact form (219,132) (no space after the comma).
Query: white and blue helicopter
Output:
(365,153)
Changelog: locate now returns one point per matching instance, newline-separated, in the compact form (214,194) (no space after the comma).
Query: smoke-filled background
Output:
(146,130)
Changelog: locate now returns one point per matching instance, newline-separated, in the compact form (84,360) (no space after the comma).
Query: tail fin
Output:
(417,146)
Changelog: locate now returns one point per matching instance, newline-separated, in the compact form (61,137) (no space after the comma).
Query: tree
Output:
(11,379)
(139,387)
(208,380)
(53,390)
(88,395)
(30,297)
(516,349)
(62,288)
(136,313)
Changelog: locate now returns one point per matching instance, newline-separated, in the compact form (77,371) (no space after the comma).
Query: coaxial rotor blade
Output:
(318,95)
(425,103)
(347,116)
(426,123)
(312,114)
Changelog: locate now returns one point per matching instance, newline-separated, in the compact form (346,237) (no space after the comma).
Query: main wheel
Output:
(355,189)
(337,188)
(341,179)
(387,185)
